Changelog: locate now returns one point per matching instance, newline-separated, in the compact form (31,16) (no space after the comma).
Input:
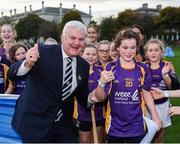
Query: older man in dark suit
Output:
(55,75)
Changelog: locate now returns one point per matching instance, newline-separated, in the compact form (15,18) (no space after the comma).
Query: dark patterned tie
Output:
(66,90)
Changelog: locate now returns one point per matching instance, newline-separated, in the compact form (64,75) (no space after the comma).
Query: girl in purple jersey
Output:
(103,53)
(161,71)
(113,51)
(83,116)
(8,35)
(124,116)
(18,53)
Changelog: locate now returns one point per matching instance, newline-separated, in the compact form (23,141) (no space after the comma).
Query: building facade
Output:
(52,14)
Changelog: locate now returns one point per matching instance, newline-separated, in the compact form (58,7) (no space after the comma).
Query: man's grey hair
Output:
(74,24)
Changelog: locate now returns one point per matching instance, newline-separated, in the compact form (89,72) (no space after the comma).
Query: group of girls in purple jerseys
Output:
(10,52)
(136,67)
(122,73)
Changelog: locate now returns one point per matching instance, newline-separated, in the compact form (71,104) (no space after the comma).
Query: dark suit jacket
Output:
(37,107)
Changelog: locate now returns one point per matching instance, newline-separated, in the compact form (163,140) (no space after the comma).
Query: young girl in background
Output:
(83,117)
(113,51)
(8,36)
(140,56)
(92,34)
(161,72)
(103,53)
(18,53)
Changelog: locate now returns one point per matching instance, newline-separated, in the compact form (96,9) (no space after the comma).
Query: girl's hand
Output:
(106,76)
(156,93)
(166,68)
(174,110)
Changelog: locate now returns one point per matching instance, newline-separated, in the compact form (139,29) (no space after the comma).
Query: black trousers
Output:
(61,132)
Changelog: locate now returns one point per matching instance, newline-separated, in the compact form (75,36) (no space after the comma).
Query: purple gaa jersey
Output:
(3,78)
(124,116)
(3,58)
(80,112)
(158,81)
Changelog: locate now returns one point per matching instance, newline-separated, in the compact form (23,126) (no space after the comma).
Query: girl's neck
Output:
(127,64)
(7,45)
(155,65)
(103,63)
(95,42)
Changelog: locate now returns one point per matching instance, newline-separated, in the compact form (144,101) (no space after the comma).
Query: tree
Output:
(71,15)
(28,27)
(125,18)
(48,29)
(108,28)
(146,21)
(169,19)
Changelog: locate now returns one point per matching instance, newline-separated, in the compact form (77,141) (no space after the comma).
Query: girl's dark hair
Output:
(128,34)
(13,50)
(138,27)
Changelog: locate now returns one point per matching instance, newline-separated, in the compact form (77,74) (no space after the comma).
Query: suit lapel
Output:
(79,71)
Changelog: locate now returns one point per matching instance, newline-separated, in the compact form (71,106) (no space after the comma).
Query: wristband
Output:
(166,94)
(165,75)
(101,84)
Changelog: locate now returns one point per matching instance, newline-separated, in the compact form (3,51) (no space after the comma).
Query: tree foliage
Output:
(125,18)
(29,26)
(71,15)
(169,19)
(48,29)
(146,21)
(108,28)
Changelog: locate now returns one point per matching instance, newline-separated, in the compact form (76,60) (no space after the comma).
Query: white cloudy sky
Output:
(100,8)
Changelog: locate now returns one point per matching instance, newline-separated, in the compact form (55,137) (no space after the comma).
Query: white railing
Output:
(9,96)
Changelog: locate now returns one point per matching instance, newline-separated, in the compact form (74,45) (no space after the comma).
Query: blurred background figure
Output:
(140,56)
(113,51)
(50,41)
(92,34)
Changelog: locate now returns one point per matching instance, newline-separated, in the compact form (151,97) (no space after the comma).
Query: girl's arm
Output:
(165,74)
(174,110)
(99,94)
(158,93)
(150,104)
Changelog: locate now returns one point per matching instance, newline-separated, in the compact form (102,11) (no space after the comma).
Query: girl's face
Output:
(92,34)
(90,55)
(103,52)
(127,49)
(7,34)
(20,54)
(154,52)
(113,52)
